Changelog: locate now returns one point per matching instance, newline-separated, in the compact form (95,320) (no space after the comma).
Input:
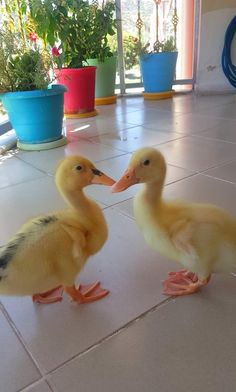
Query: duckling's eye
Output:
(146,163)
(78,167)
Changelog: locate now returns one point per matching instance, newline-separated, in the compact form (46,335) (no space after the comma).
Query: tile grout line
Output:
(201,171)
(35,383)
(218,179)
(116,156)
(127,152)
(41,371)
(107,159)
(44,373)
(86,138)
(113,334)
(30,164)
(194,172)
(22,182)
(106,144)
(130,198)
(197,173)
(202,136)
(222,164)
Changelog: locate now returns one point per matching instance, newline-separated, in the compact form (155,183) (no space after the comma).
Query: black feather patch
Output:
(10,249)
(46,220)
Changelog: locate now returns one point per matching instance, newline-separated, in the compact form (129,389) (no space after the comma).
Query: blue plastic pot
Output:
(36,116)
(158,71)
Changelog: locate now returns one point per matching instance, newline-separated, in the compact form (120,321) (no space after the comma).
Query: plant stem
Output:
(20,22)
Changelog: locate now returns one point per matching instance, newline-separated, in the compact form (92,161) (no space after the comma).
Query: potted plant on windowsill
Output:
(103,26)
(34,108)
(158,69)
(66,27)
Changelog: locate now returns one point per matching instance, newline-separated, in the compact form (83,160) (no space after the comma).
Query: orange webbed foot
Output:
(49,297)
(183,283)
(86,293)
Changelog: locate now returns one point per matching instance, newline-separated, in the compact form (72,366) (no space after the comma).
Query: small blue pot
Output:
(158,71)
(36,116)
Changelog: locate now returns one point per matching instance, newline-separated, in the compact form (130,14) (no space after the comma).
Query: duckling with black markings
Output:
(46,254)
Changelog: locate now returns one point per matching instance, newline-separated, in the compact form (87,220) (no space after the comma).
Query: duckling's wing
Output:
(30,232)
(77,236)
(181,236)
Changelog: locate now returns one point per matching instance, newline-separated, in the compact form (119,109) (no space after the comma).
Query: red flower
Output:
(33,37)
(55,51)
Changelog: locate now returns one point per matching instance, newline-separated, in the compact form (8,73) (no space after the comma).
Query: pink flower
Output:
(33,37)
(55,51)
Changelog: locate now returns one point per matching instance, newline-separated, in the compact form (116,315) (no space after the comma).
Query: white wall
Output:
(214,22)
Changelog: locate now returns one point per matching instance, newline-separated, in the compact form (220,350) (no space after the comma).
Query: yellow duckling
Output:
(48,252)
(201,237)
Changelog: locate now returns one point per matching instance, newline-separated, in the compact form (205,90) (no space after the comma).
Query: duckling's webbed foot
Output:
(86,293)
(183,282)
(49,297)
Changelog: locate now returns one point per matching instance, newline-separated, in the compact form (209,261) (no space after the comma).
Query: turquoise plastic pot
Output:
(158,71)
(36,116)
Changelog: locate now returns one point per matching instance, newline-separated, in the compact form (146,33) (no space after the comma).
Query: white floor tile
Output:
(14,171)
(185,345)
(143,117)
(184,123)
(96,127)
(39,387)
(223,111)
(225,172)
(225,130)
(134,138)
(195,153)
(48,160)
(16,368)
(203,189)
(187,103)
(122,106)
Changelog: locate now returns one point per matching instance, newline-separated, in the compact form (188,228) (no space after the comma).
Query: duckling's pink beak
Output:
(125,181)
(101,178)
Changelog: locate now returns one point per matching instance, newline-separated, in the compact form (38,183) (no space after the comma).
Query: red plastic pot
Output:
(79,100)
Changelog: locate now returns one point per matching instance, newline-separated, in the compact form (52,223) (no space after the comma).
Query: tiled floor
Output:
(135,339)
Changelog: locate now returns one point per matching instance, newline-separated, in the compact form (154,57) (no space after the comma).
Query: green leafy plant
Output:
(25,63)
(76,30)
(169,45)
(130,48)
(22,68)
(165,46)
(103,25)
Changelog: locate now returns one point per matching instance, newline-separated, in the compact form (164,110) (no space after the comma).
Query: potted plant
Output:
(66,27)
(158,69)
(35,109)
(103,26)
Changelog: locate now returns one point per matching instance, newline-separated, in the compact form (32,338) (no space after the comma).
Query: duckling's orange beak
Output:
(101,178)
(125,181)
